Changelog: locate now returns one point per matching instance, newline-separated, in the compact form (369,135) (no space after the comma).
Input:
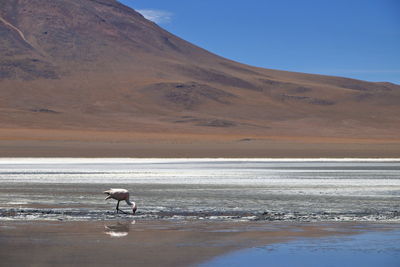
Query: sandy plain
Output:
(86,143)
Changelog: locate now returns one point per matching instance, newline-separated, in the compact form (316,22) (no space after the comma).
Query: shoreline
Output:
(39,213)
(151,242)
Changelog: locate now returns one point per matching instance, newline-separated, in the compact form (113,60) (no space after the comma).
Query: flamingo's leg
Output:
(123,212)
(117,208)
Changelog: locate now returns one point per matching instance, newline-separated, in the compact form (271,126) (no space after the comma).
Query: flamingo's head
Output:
(134,208)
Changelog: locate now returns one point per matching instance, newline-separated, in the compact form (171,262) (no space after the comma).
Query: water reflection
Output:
(368,250)
(119,229)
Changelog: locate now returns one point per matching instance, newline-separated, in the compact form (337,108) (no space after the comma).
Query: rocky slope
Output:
(99,65)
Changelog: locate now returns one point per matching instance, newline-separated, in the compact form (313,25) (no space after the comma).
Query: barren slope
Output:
(98,65)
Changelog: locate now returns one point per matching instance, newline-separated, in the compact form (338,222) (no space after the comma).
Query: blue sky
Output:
(351,38)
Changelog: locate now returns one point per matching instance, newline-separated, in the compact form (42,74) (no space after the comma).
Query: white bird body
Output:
(120,195)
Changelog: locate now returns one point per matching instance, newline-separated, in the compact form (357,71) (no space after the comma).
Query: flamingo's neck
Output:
(130,203)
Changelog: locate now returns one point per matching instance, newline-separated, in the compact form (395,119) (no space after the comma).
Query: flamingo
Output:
(120,194)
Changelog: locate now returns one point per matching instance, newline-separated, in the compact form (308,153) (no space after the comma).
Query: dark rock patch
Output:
(45,110)
(239,69)
(301,89)
(272,85)
(217,123)
(363,97)
(322,102)
(188,95)
(27,69)
(362,85)
(245,140)
(205,122)
(307,99)
(169,43)
(216,76)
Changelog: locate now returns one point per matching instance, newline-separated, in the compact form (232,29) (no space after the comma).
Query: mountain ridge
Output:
(99,65)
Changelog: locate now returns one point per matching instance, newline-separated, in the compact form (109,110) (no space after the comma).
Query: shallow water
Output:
(127,242)
(228,189)
(368,250)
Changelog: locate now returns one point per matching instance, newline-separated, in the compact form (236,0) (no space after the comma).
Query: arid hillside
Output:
(75,69)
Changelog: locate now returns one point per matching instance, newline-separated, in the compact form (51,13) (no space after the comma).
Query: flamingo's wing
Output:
(118,194)
(108,193)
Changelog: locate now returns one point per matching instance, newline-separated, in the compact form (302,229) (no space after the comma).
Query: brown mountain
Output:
(81,70)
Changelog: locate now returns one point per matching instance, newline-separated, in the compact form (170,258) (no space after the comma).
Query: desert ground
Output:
(64,143)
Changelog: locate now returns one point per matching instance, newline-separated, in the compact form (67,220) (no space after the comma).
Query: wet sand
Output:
(148,243)
(303,190)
